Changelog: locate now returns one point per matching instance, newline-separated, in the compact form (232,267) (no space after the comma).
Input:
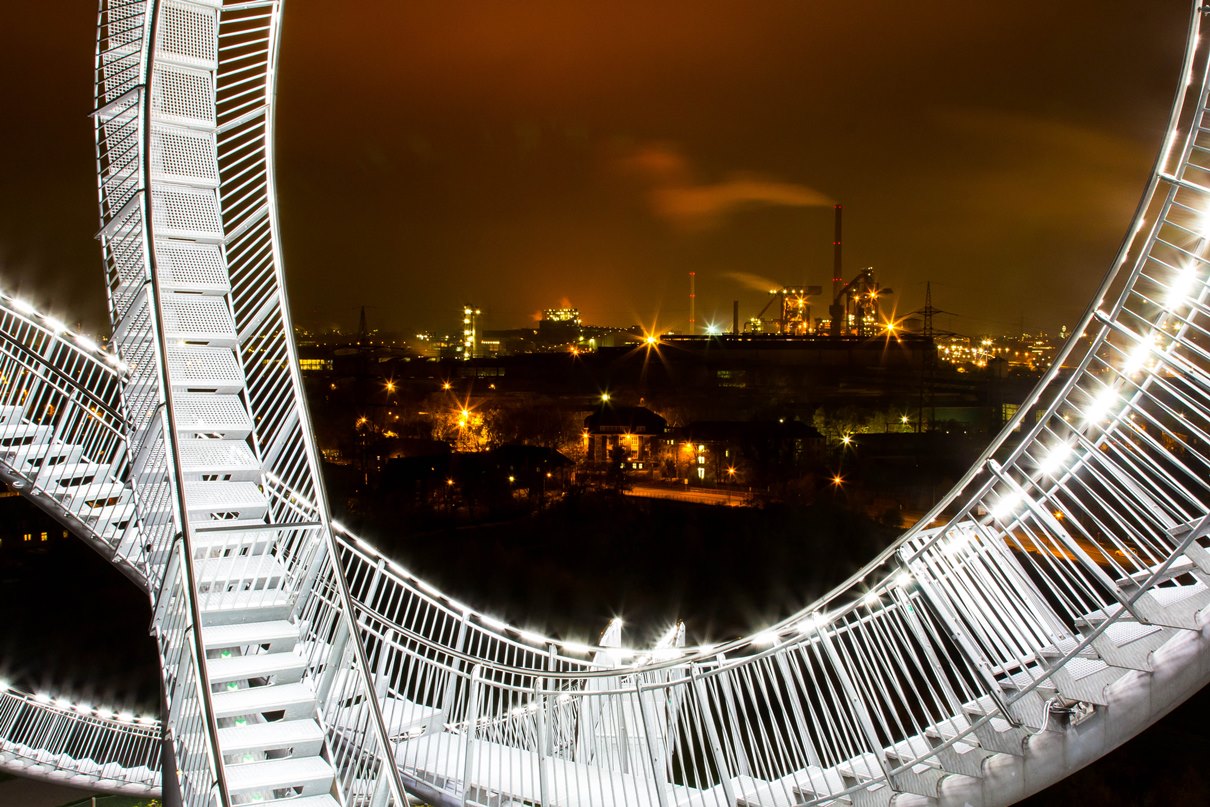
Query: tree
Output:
(617,478)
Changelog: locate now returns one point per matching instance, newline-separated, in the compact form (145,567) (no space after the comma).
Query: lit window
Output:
(43,537)
(27,537)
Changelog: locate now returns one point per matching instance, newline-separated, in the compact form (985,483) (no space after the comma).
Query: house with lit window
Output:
(751,453)
(634,430)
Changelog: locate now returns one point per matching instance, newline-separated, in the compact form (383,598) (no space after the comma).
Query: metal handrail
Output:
(980,611)
(116,752)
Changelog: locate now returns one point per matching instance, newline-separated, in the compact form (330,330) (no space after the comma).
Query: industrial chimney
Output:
(837,269)
(692,303)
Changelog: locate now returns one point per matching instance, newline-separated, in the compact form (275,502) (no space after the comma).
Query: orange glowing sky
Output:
(516,155)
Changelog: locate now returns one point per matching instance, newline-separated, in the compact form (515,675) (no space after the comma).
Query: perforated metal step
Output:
(183,156)
(183,96)
(224,501)
(296,701)
(239,573)
(219,461)
(219,415)
(14,435)
(204,369)
(189,267)
(233,538)
(273,635)
(302,737)
(283,668)
(306,776)
(188,35)
(198,319)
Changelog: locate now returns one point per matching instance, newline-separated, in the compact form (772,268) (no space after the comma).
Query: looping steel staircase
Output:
(1050,607)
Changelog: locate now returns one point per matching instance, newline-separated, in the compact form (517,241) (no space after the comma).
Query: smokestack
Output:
(837,269)
(692,303)
(735,317)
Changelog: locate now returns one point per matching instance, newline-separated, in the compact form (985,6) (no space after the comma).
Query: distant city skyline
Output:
(522,158)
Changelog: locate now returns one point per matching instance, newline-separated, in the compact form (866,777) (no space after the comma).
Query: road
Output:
(684,493)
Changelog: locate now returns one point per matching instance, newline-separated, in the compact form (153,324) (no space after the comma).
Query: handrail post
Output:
(857,704)
(451,685)
(707,719)
(804,733)
(974,657)
(724,684)
(659,772)
(472,724)
(540,702)
(378,725)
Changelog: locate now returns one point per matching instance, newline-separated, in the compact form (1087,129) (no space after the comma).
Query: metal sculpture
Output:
(1050,607)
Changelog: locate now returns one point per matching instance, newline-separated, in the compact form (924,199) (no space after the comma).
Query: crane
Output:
(854,310)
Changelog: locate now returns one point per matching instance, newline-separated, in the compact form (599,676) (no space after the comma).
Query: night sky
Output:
(526,155)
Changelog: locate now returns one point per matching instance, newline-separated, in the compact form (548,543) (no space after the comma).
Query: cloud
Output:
(752,281)
(703,206)
(1031,168)
(674,195)
(658,163)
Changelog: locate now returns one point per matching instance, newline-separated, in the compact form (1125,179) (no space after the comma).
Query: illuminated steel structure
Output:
(1049,608)
(79,744)
(470,331)
(244,583)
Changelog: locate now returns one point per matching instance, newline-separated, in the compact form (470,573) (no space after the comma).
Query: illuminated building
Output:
(470,331)
(636,430)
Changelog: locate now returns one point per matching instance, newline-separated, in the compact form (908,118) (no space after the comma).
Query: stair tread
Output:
(910,749)
(862,766)
(221,413)
(22,429)
(305,801)
(191,267)
(202,367)
(70,469)
(197,316)
(262,603)
(1170,595)
(233,534)
(93,492)
(257,665)
(1063,647)
(277,773)
(1123,632)
(238,567)
(278,734)
(1083,667)
(217,456)
(216,495)
(248,633)
(235,702)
